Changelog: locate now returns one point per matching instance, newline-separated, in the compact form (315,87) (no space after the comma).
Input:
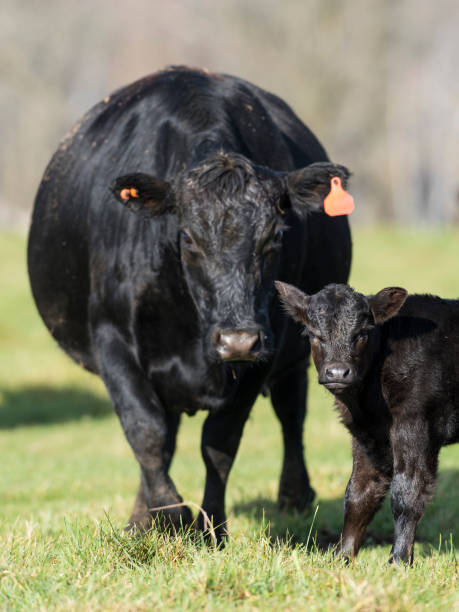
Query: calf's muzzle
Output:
(337,375)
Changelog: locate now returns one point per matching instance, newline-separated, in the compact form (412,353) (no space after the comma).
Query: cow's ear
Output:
(310,186)
(144,194)
(294,301)
(386,303)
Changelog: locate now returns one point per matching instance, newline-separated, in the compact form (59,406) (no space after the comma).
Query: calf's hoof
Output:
(343,555)
(397,560)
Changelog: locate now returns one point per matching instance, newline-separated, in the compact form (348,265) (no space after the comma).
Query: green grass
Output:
(68,480)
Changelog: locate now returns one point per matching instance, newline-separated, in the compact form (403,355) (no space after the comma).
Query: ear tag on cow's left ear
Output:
(127,193)
(338,201)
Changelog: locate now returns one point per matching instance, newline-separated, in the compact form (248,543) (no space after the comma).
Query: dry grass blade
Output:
(207,522)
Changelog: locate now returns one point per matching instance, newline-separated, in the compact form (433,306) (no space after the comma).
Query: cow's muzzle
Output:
(239,344)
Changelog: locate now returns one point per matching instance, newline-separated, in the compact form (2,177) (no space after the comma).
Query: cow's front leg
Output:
(288,396)
(415,467)
(365,493)
(221,436)
(147,427)
(141,516)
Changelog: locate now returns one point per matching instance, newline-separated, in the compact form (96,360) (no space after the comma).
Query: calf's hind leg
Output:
(288,397)
(415,467)
(149,430)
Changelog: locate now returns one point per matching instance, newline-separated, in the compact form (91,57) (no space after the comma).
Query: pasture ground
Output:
(68,480)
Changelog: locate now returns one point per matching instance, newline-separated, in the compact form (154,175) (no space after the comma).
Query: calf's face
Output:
(343,328)
(231,223)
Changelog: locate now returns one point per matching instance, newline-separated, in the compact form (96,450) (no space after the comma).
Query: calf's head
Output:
(343,328)
(231,216)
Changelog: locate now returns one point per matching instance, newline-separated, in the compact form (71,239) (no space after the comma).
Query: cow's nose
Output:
(338,373)
(238,345)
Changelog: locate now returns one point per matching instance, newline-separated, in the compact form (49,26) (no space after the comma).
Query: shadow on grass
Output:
(39,405)
(323,530)
(292,527)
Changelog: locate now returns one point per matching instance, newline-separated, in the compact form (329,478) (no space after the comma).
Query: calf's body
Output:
(392,363)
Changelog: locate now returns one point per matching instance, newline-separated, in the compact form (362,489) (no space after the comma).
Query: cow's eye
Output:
(278,237)
(187,240)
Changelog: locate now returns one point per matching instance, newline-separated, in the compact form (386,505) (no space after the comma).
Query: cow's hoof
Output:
(294,501)
(172,520)
(139,523)
(215,534)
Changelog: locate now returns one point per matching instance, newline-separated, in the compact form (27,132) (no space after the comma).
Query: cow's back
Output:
(158,125)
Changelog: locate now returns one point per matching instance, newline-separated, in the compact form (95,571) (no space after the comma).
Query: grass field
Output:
(68,481)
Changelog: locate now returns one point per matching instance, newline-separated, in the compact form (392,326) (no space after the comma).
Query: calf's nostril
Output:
(338,373)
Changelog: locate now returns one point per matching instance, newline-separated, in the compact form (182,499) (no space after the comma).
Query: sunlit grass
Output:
(68,481)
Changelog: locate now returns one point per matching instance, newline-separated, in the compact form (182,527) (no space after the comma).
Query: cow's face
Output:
(231,218)
(343,328)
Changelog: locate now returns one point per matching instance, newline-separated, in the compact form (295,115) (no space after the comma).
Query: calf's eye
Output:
(361,338)
(314,337)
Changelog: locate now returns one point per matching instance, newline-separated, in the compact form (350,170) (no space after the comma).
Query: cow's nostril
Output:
(258,343)
(346,373)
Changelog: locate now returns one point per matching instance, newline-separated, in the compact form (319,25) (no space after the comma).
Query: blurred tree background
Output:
(376,80)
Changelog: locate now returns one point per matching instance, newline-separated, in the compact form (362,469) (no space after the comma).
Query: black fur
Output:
(392,363)
(147,292)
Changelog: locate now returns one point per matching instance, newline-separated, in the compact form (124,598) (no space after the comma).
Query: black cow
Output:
(159,227)
(392,363)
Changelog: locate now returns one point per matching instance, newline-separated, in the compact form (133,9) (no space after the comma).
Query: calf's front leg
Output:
(365,493)
(149,430)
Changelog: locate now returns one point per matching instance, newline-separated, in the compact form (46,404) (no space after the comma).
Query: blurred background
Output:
(376,80)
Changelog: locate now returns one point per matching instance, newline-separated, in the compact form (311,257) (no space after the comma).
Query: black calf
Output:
(392,363)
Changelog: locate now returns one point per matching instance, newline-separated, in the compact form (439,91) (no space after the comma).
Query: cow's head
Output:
(232,216)
(343,328)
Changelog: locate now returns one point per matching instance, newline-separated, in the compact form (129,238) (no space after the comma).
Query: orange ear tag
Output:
(125,194)
(134,193)
(338,201)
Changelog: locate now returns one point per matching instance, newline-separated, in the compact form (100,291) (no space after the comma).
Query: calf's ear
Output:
(310,186)
(386,303)
(294,301)
(143,194)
